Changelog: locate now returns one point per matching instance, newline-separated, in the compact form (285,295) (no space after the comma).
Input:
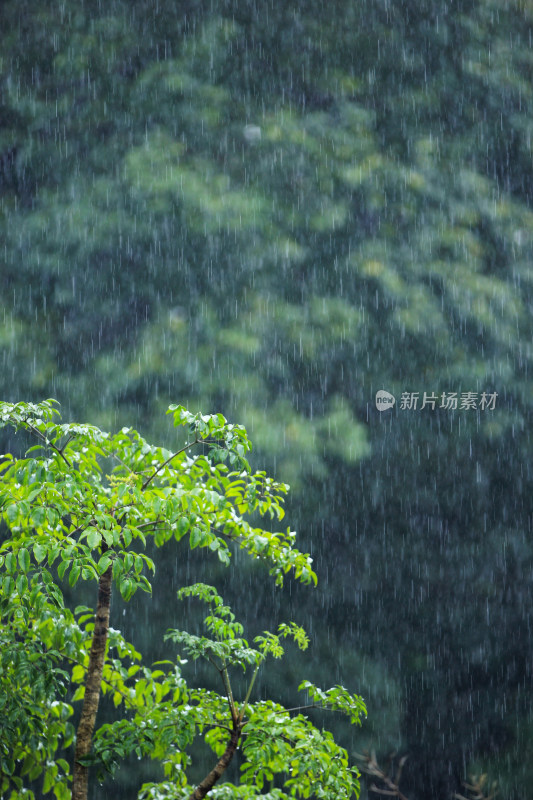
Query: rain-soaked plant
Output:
(275,743)
(82,505)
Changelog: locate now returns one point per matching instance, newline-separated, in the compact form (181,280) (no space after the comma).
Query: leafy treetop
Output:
(96,493)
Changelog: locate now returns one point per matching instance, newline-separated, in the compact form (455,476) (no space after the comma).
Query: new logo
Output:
(384,400)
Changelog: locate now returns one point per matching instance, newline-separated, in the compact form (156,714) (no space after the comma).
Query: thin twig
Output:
(161,466)
(37,432)
(248,693)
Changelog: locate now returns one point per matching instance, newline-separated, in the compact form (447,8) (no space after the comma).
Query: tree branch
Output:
(93,685)
(369,765)
(38,433)
(161,466)
(212,777)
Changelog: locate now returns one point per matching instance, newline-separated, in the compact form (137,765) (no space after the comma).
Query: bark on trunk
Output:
(209,781)
(92,686)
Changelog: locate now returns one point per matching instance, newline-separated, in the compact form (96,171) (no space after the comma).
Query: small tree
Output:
(82,505)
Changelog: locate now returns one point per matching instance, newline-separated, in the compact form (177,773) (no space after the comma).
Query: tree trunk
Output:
(92,686)
(209,781)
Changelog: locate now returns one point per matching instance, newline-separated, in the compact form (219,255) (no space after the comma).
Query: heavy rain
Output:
(316,220)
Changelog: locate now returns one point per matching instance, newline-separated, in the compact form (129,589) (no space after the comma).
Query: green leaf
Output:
(195,537)
(7,765)
(127,587)
(199,537)
(38,516)
(62,791)
(94,538)
(24,559)
(12,513)
(11,563)
(62,568)
(145,584)
(28,764)
(74,575)
(49,778)
(39,552)
(118,568)
(103,564)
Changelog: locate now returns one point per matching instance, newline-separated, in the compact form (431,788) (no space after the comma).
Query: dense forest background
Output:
(273,210)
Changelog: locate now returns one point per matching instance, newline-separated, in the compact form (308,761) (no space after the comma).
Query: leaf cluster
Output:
(82,505)
(276,743)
